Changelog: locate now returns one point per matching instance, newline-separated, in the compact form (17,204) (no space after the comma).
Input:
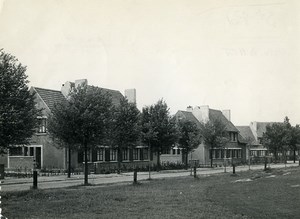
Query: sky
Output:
(241,55)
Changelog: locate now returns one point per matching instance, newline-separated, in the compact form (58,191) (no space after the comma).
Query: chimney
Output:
(253,127)
(204,113)
(81,82)
(189,109)
(201,113)
(227,114)
(66,88)
(130,94)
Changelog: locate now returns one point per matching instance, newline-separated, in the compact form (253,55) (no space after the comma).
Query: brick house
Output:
(48,155)
(255,150)
(234,150)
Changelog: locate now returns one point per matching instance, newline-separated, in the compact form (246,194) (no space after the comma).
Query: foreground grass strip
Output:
(267,196)
(217,196)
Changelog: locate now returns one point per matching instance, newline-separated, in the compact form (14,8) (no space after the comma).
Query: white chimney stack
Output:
(130,94)
(227,114)
(66,89)
(81,82)
(201,113)
(189,109)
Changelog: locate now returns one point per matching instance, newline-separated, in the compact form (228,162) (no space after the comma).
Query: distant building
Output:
(235,149)
(255,149)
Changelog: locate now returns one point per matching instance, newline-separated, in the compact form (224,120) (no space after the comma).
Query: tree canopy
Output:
(18,115)
(280,137)
(158,127)
(189,137)
(125,129)
(61,123)
(214,135)
(84,121)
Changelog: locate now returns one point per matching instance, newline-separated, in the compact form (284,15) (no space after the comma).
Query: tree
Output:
(148,134)
(159,128)
(90,108)
(293,136)
(18,115)
(125,128)
(61,123)
(295,140)
(189,138)
(276,138)
(214,135)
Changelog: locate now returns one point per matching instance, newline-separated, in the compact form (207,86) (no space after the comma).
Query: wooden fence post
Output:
(135,176)
(35,180)
(233,168)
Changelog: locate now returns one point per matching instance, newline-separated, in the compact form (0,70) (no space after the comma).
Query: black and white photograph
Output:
(150,109)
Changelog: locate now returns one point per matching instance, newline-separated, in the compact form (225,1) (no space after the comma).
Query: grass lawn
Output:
(252,194)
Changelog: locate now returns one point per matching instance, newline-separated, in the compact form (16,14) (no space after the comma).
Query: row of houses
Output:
(47,155)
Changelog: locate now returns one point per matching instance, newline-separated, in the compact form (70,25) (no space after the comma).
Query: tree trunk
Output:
(211,158)
(186,159)
(86,168)
(276,155)
(119,159)
(158,160)
(69,162)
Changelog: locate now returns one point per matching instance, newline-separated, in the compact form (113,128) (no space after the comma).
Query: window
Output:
(178,151)
(228,152)
(125,154)
(258,153)
(15,151)
(136,154)
(88,155)
(165,151)
(31,151)
(234,153)
(222,153)
(113,154)
(217,153)
(233,136)
(174,151)
(145,153)
(42,124)
(100,154)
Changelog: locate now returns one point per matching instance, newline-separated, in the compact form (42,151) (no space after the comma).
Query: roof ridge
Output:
(185,111)
(104,88)
(47,89)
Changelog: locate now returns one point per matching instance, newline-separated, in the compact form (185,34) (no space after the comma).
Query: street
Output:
(48,182)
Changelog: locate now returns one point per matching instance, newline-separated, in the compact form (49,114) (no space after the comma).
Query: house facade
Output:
(253,134)
(44,153)
(233,151)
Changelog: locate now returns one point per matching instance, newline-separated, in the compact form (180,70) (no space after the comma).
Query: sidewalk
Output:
(44,182)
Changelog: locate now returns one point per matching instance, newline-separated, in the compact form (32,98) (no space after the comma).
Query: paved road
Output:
(14,184)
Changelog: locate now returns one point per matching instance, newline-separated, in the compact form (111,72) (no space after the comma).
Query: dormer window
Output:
(233,136)
(42,125)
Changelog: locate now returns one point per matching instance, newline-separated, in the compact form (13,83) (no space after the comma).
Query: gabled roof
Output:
(241,139)
(189,116)
(261,128)
(218,115)
(50,97)
(246,133)
(214,115)
(116,95)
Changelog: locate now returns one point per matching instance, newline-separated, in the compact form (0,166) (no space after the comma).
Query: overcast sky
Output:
(232,54)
